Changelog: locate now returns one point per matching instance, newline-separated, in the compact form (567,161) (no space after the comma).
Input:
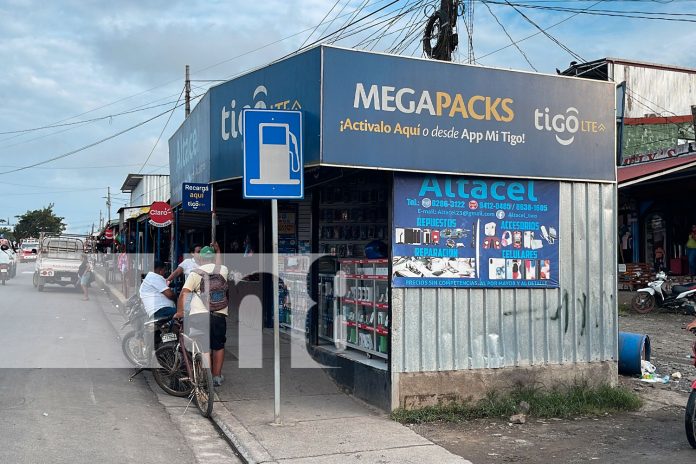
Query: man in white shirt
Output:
(187,265)
(206,315)
(157,297)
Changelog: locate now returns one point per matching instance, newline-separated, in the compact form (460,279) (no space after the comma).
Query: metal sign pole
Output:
(213,218)
(276,322)
(266,177)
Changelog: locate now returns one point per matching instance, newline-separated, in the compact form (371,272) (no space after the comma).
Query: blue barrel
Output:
(633,348)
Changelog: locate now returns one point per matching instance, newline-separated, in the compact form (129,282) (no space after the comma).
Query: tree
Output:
(6,232)
(32,223)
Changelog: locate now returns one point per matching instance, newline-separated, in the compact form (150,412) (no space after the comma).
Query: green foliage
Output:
(32,223)
(7,233)
(578,400)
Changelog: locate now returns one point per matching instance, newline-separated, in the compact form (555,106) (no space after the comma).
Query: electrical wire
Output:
(537,33)
(526,58)
(162,131)
(85,147)
(546,33)
(84,121)
(320,23)
(651,16)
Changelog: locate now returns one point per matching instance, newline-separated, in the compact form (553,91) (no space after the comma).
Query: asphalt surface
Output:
(57,404)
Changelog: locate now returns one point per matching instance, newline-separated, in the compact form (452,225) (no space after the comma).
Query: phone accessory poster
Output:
(454,231)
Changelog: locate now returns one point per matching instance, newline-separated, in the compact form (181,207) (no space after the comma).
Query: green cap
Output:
(207,252)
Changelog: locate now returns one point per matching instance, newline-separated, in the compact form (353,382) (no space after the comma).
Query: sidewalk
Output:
(319,423)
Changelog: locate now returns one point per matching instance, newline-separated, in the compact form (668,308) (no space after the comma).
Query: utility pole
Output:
(108,204)
(187,88)
(440,38)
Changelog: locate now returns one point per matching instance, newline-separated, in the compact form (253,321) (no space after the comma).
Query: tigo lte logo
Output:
(565,126)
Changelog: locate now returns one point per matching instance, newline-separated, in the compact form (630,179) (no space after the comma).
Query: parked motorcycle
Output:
(690,416)
(681,298)
(146,336)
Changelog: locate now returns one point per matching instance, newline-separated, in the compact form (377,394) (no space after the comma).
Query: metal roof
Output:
(629,175)
(131,182)
(578,69)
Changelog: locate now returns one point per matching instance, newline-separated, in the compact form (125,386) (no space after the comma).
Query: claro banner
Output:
(428,116)
(472,232)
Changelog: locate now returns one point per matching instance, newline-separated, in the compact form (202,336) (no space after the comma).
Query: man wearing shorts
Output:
(200,318)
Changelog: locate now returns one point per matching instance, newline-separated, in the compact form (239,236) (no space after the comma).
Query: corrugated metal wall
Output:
(656,91)
(152,188)
(453,329)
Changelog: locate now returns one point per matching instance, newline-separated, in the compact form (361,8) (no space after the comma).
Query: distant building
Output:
(656,155)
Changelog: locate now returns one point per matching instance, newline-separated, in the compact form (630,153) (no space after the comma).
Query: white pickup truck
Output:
(58,261)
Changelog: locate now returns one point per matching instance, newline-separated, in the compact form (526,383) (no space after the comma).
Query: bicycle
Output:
(180,368)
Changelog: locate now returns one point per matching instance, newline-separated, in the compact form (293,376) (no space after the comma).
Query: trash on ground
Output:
(676,375)
(652,378)
(646,367)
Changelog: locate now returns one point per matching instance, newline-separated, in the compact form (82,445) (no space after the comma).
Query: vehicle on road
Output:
(4,272)
(690,416)
(9,251)
(28,251)
(678,298)
(58,261)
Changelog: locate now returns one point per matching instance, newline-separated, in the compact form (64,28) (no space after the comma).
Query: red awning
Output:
(628,175)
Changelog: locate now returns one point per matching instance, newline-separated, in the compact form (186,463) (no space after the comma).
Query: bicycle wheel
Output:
(134,349)
(169,376)
(203,388)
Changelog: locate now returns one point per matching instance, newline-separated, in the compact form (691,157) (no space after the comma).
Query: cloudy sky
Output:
(78,66)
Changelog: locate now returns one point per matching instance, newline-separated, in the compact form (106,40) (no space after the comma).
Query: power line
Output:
(320,23)
(162,132)
(547,34)
(64,155)
(84,121)
(508,36)
(651,16)
(536,33)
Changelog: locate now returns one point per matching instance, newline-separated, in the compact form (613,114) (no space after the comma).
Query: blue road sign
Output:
(273,154)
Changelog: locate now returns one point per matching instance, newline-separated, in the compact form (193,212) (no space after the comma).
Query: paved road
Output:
(58,403)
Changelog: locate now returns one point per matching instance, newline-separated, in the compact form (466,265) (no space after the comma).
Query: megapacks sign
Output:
(468,232)
(161,214)
(421,115)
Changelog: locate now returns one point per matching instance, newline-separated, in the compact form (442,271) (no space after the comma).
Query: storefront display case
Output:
(294,300)
(363,306)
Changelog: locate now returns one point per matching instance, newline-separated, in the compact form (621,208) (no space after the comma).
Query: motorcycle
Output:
(137,344)
(690,415)
(4,272)
(655,295)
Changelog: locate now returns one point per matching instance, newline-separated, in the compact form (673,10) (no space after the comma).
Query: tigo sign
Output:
(196,197)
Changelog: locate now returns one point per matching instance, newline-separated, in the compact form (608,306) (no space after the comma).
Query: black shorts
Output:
(216,327)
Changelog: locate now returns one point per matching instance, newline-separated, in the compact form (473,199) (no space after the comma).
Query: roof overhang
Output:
(131,182)
(630,175)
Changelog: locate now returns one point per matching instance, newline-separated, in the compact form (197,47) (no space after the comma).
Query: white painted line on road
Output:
(27,272)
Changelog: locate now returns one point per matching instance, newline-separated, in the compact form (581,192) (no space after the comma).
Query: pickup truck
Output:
(58,261)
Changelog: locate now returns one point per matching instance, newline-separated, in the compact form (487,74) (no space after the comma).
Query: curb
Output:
(107,287)
(247,448)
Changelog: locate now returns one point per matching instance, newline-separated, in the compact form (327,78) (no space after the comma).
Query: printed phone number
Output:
(491,205)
